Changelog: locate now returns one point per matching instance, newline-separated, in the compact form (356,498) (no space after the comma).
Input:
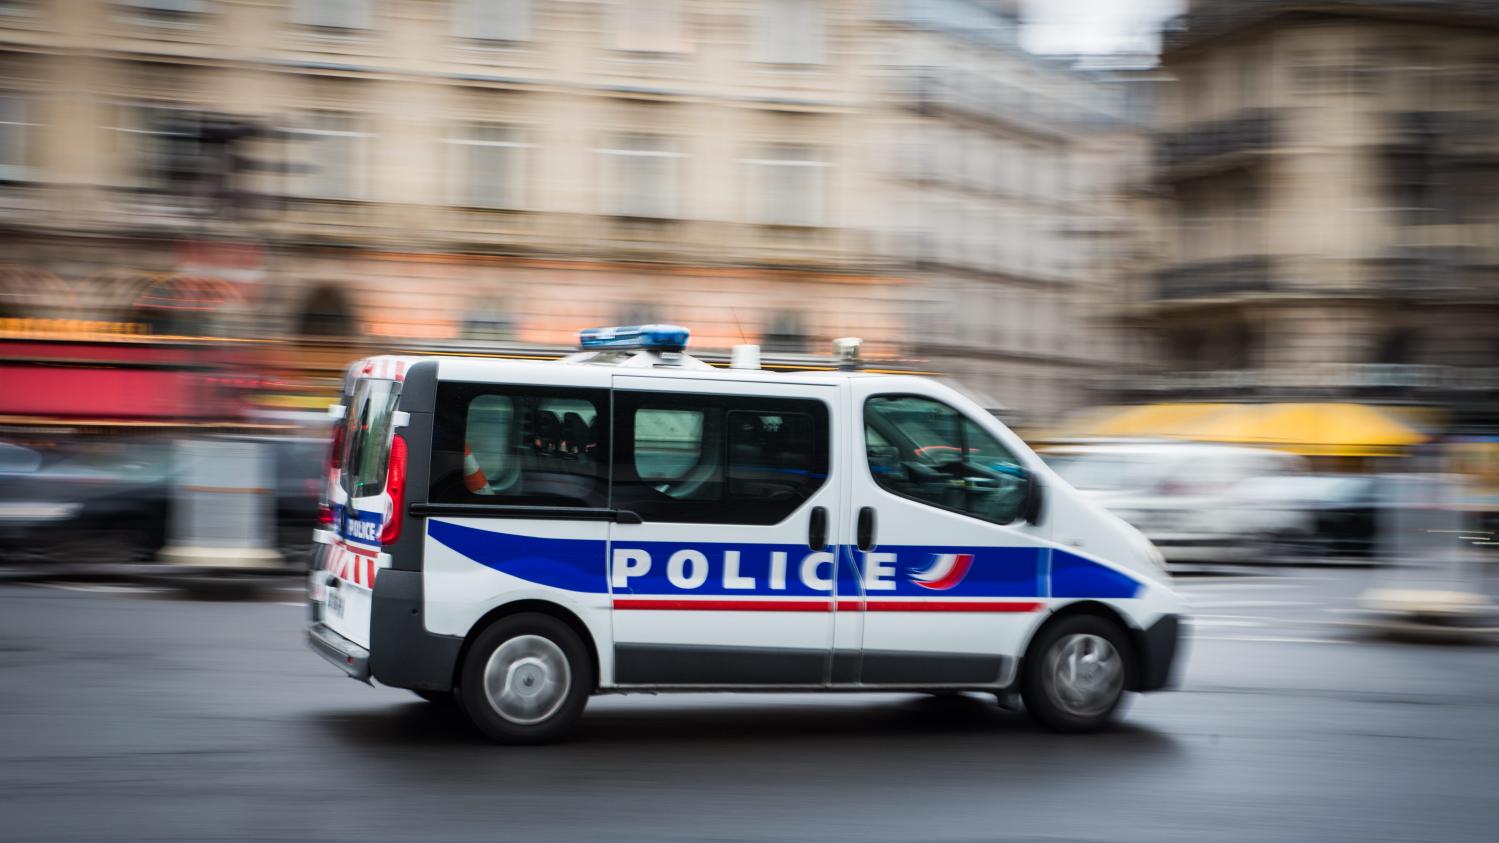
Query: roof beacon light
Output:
(654,337)
(846,350)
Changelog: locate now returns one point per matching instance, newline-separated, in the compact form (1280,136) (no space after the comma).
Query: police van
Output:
(523,534)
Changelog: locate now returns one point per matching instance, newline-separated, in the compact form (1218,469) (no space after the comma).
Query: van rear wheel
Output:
(526,679)
(1075,674)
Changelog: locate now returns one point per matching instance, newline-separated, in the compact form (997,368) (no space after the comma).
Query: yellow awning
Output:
(1341,430)
(1140,420)
(1315,429)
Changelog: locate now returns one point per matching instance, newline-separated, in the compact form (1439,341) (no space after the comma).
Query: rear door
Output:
(953,576)
(728,578)
(360,508)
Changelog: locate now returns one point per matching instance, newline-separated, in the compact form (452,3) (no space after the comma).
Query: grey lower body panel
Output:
(902,668)
(651,664)
(679,666)
(1160,647)
(405,654)
(340,651)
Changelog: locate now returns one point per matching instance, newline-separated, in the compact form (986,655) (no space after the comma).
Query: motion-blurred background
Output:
(1255,224)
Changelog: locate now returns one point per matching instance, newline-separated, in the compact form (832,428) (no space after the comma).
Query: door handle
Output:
(866,528)
(817,528)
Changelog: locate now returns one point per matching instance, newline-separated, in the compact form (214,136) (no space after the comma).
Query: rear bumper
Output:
(1160,646)
(348,656)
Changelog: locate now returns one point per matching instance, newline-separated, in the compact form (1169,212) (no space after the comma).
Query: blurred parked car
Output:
(1312,515)
(1177,494)
(109,501)
(98,501)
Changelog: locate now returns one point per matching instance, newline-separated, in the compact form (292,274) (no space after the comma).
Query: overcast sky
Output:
(1095,26)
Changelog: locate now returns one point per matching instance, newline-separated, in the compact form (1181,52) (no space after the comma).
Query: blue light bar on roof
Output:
(658,337)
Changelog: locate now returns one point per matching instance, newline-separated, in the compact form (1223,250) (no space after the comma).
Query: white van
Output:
(1183,495)
(525,534)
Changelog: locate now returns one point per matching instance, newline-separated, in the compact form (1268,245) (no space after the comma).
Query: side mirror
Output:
(1035,499)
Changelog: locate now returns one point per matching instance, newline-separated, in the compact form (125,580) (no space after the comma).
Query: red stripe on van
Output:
(952,606)
(725,605)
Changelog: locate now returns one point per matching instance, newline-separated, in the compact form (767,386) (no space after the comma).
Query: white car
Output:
(1181,495)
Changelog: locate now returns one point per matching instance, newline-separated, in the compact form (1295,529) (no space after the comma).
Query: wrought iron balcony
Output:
(1213,279)
(1250,131)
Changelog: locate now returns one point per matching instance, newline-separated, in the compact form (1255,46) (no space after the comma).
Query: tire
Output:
(539,679)
(1075,674)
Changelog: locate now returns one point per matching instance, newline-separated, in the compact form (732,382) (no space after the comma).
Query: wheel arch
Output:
(1103,611)
(519,607)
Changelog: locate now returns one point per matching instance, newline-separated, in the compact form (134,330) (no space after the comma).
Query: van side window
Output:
(520,445)
(716,458)
(922,449)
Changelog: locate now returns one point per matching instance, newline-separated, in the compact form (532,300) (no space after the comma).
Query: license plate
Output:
(333,602)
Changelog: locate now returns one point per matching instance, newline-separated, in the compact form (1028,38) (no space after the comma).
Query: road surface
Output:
(127,713)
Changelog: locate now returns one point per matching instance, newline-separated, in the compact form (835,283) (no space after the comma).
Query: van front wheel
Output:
(1075,674)
(526,679)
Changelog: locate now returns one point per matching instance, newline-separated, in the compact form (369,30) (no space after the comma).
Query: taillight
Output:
(324,515)
(395,490)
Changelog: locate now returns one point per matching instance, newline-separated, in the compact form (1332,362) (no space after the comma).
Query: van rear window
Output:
(367,437)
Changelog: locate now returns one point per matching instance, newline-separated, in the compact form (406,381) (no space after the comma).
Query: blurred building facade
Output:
(1334,176)
(358,173)
(1010,187)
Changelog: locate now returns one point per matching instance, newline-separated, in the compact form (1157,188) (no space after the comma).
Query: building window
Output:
(649,26)
(785,332)
(490,323)
(636,313)
(788,185)
(161,145)
(641,173)
(331,150)
(789,32)
(167,8)
(327,313)
(488,167)
(15,138)
(332,14)
(492,20)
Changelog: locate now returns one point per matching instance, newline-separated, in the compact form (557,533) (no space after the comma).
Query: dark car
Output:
(1314,515)
(110,501)
(95,501)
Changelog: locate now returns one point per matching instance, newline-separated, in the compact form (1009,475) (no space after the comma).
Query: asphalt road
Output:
(127,714)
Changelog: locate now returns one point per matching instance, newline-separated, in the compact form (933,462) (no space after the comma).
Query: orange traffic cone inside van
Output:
(473,476)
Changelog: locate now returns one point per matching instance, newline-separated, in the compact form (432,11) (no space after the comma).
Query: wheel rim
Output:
(526,679)
(1084,675)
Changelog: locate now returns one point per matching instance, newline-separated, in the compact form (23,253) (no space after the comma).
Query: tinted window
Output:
(520,445)
(716,458)
(924,450)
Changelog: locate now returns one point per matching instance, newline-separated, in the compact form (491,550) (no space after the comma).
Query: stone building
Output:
(369,172)
(1334,176)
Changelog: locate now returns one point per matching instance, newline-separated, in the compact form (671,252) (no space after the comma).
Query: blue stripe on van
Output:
(1076,576)
(579,565)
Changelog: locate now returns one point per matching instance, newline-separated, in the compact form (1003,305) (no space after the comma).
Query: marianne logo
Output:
(946,571)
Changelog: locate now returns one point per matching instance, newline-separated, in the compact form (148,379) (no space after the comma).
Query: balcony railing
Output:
(1214,279)
(1250,131)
